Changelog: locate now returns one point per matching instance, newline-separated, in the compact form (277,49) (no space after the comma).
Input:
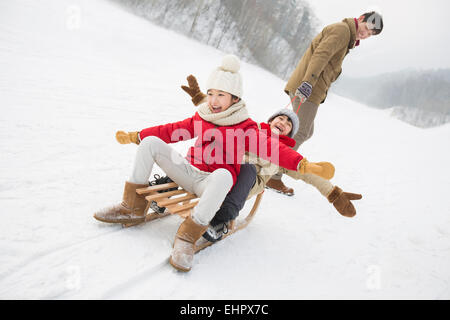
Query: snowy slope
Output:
(73,72)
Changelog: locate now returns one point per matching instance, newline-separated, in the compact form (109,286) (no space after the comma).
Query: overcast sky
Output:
(415,35)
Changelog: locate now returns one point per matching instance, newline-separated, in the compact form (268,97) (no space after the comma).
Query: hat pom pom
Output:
(230,63)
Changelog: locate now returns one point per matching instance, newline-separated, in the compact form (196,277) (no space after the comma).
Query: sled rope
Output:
(292,103)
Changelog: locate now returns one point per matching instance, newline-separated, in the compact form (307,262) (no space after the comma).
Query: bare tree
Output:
(271,34)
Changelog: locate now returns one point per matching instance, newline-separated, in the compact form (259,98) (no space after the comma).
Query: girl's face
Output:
(281,125)
(219,101)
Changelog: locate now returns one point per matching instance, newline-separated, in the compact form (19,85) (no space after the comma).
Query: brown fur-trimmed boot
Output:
(130,210)
(184,245)
(279,187)
(341,201)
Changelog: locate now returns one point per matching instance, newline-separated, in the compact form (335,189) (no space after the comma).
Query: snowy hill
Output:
(259,31)
(74,72)
(418,97)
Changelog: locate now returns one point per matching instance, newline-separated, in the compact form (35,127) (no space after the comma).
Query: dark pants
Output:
(235,199)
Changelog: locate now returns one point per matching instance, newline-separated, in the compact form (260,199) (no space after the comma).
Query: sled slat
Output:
(164,203)
(156,188)
(184,214)
(164,194)
(176,209)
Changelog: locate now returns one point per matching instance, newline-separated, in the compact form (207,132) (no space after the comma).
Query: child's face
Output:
(281,125)
(219,101)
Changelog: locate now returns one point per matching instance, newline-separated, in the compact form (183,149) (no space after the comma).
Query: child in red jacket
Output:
(253,179)
(224,133)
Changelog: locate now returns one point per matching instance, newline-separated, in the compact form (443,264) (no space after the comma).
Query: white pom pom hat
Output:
(227,77)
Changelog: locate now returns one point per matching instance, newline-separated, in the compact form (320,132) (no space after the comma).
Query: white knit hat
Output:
(227,77)
(291,115)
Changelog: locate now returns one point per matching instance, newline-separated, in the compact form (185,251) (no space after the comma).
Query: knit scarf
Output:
(233,115)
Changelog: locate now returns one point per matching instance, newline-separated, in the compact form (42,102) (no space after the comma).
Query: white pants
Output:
(210,187)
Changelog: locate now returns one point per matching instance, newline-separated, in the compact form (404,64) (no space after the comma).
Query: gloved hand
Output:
(321,169)
(304,91)
(341,201)
(193,90)
(127,137)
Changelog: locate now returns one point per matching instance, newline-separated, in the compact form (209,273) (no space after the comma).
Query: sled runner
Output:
(289,194)
(165,199)
(169,198)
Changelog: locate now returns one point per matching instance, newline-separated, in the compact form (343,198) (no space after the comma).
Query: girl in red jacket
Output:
(224,133)
(253,179)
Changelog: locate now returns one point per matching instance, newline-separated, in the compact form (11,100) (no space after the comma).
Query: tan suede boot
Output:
(131,210)
(341,201)
(184,245)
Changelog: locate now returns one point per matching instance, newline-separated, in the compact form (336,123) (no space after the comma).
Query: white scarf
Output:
(233,115)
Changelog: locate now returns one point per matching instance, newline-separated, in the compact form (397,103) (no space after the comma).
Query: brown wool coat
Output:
(321,64)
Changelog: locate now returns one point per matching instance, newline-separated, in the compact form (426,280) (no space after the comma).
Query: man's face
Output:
(281,125)
(365,29)
(219,101)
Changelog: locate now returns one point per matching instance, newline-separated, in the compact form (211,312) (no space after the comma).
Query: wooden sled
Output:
(181,202)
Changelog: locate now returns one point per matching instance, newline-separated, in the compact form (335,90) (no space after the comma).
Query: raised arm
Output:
(257,142)
(169,133)
(193,90)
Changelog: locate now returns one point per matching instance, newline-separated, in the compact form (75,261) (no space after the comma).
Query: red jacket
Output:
(283,139)
(224,146)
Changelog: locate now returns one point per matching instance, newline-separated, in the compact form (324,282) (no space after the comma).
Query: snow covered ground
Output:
(73,72)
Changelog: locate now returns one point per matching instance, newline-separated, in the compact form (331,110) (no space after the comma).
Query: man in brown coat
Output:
(320,66)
